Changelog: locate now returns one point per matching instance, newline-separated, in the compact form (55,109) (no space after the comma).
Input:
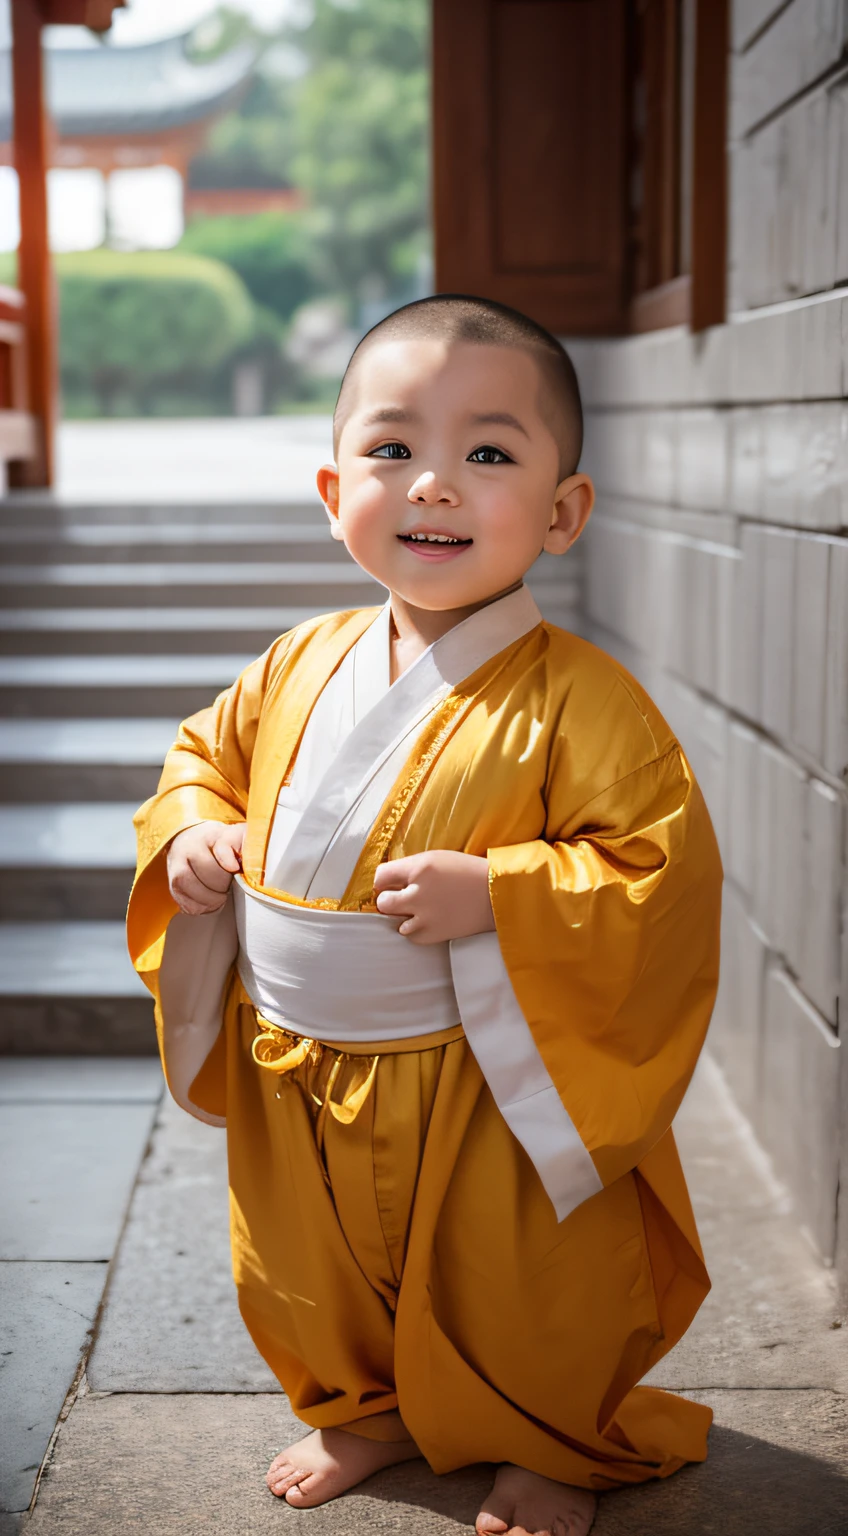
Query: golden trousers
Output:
(401,1269)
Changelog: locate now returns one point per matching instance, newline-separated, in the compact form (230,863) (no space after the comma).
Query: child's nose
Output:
(430,490)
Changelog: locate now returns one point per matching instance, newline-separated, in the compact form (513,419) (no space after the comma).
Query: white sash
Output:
(351,976)
(342,811)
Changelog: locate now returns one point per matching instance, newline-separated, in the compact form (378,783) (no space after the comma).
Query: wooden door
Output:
(529,157)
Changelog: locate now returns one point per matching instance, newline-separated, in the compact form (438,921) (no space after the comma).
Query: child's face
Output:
(446,439)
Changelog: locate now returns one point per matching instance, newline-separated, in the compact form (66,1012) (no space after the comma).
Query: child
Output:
(471,891)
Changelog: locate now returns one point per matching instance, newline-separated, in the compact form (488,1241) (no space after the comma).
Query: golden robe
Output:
(401,1268)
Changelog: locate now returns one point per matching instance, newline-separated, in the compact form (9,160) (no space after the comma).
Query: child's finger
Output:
(410,927)
(225,854)
(192,896)
(398,903)
(392,876)
(207,870)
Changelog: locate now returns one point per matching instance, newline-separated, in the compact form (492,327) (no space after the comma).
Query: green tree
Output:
(360,131)
(271,252)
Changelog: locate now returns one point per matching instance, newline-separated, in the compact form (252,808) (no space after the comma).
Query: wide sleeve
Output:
(206,777)
(609,931)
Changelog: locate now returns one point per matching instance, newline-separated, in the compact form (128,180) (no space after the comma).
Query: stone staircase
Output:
(115,623)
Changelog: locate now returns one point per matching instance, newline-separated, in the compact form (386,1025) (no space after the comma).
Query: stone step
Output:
(66,687)
(319,585)
(69,989)
(143,631)
(82,760)
(72,861)
(37,509)
(117,542)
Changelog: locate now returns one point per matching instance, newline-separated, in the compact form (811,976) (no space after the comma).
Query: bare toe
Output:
(495,1517)
(527,1504)
(489,1524)
(298,1493)
(284,1476)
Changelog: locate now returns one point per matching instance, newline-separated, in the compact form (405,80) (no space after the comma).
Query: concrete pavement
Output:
(173,1416)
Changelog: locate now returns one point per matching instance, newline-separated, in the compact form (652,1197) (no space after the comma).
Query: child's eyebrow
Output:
(499,419)
(388,413)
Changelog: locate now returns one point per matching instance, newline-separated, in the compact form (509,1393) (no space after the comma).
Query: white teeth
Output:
(432,538)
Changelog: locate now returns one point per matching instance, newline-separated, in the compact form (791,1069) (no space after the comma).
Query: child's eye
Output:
(488,455)
(390,451)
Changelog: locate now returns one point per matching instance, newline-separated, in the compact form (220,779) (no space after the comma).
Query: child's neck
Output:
(414,630)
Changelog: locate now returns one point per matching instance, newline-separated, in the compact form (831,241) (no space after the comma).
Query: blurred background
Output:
(202,208)
(234,194)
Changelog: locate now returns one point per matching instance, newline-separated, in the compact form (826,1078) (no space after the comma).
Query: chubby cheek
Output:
(514,534)
(365,516)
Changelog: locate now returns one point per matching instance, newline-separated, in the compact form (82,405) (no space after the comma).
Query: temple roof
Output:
(100,90)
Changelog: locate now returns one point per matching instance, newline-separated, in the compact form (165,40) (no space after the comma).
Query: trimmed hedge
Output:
(130,323)
(134,323)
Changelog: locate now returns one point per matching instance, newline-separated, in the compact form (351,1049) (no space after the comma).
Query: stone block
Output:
(182,1465)
(745,493)
(780,807)
(822,483)
(74,1168)
(748,17)
(725,561)
(47,1312)
(812,560)
(80,1080)
(742,753)
(802,42)
(770,1453)
(798,1118)
(760,368)
(767,1320)
(748,622)
(821,346)
(778,584)
(659,454)
(821,123)
(784,146)
(171,1320)
(707,749)
(173,1466)
(819,923)
(788,803)
(839,109)
(702,454)
(842,460)
(836,687)
(735,1032)
(784,442)
(767,771)
(696,628)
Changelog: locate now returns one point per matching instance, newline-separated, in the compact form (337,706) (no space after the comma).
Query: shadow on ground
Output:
(181,1464)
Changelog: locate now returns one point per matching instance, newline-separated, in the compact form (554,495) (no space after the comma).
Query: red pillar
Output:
(35,274)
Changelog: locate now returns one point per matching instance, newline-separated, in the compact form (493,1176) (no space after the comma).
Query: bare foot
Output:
(329,1462)
(525,1504)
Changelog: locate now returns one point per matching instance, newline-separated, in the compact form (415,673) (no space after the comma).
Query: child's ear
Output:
(328,489)
(573,501)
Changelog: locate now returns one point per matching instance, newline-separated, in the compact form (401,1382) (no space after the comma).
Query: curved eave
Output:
(115,125)
(121,93)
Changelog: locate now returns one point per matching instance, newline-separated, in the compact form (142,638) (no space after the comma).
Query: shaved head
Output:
(460,318)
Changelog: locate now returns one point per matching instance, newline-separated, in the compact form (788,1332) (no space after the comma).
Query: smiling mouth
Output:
(441,539)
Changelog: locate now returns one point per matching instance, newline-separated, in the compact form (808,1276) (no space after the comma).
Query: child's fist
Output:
(439,895)
(201,864)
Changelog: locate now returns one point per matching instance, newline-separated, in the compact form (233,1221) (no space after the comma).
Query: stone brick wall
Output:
(716,568)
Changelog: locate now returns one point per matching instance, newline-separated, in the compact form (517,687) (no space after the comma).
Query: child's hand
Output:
(201,864)
(440,895)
